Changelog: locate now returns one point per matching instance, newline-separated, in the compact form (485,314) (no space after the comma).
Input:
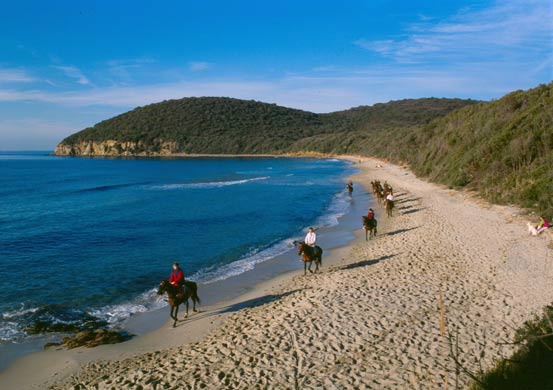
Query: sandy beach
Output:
(434,298)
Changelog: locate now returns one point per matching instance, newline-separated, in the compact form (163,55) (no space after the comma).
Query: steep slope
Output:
(502,148)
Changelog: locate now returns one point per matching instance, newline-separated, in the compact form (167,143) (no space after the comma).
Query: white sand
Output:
(370,320)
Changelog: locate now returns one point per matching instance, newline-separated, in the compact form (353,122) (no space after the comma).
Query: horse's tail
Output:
(320,254)
(195,295)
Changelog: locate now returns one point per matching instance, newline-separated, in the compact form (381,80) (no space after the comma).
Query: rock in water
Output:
(93,338)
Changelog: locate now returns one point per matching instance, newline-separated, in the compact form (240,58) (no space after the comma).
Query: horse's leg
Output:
(366,235)
(194,304)
(304,268)
(176,318)
(309,268)
(186,315)
(174,311)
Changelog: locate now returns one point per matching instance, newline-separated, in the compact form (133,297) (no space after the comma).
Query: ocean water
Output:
(84,242)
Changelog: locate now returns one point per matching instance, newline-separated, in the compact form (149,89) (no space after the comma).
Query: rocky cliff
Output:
(116,148)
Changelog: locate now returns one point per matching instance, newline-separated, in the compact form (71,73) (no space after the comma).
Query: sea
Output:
(84,242)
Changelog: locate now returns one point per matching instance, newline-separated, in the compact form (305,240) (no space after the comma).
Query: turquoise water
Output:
(84,242)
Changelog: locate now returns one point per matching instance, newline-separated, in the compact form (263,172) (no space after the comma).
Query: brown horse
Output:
(370,227)
(309,255)
(175,300)
(389,207)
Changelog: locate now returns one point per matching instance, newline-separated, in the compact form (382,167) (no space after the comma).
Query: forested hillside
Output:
(233,126)
(501,148)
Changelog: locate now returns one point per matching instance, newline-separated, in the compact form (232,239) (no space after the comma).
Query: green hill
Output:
(233,126)
(501,148)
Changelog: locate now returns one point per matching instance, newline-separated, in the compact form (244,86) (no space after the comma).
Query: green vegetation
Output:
(501,148)
(530,367)
(233,126)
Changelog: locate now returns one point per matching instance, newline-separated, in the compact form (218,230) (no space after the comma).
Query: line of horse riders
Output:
(179,290)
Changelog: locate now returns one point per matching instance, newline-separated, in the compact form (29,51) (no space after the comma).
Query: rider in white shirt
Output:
(390,197)
(311,237)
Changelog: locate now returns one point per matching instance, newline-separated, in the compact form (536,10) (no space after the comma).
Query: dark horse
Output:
(370,227)
(175,300)
(309,255)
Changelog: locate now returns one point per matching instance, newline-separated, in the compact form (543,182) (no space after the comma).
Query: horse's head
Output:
(164,286)
(300,247)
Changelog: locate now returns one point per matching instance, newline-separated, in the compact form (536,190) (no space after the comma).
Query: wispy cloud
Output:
(74,73)
(324,68)
(508,30)
(199,65)
(130,62)
(477,53)
(309,95)
(10,75)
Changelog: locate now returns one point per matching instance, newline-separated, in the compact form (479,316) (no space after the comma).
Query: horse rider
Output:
(311,237)
(371,215)
(349,187)
(177,279)
(390,197)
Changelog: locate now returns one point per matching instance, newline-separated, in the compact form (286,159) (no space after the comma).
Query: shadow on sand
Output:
(412,211)
(399,231)
(250,303)
(366,263)
(407,200)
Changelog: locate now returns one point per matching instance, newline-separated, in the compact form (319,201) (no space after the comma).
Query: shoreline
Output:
(370,319)
(209,155)
(236,291)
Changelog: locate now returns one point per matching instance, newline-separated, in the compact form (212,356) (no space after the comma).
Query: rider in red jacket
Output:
(177,278)
(370,215)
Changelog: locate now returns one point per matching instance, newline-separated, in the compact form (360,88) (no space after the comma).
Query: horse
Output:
(389,207)
(190,291)
(370,227)
(309,255)
(381,198)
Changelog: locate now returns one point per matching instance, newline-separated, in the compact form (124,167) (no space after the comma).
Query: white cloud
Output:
(324,68)
(74,73)
(480,54)
(199,65)
(11,75)
(510,30)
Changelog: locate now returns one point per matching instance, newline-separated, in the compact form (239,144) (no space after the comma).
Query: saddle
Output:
(182,293)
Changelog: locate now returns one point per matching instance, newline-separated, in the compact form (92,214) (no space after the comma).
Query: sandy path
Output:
(372,321)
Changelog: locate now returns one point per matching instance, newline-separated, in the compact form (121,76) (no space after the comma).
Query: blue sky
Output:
(65,65)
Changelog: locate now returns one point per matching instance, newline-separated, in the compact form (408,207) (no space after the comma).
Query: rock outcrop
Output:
(117,148)
(93,338)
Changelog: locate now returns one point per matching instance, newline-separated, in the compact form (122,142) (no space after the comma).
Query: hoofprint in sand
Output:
(375,320)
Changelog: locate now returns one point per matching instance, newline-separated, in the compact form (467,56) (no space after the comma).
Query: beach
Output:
(434,298)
